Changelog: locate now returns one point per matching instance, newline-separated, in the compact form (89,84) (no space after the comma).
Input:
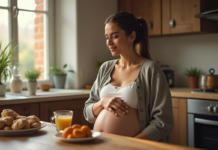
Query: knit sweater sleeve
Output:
(161,114)
(93,98)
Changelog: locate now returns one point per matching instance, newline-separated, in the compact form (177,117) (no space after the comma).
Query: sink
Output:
(47,93)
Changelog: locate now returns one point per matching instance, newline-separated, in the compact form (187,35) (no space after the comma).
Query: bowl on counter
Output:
(88,86)
(45,87)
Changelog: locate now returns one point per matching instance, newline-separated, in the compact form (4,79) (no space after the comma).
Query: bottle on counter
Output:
(16,84)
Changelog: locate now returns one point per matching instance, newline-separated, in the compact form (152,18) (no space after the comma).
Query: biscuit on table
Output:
(9,112)
(19,124)
(2,123)
(27,126)
(8,120)
(35,125)
(34,121)
(18,117)
(34,118)
(7,128)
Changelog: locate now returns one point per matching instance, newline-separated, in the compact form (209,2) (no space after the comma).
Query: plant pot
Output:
(2,90)
(32,86)
(193,82)
(59,81)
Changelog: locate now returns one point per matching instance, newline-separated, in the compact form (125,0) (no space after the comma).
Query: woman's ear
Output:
(132,36)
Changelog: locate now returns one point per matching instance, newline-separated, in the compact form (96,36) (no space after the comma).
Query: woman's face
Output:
(117,40)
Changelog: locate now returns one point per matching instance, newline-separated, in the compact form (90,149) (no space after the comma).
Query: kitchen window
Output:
(29,24)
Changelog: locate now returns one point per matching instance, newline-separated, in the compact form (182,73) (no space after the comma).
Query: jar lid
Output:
(211,72)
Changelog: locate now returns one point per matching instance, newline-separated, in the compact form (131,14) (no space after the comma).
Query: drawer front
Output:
(23,109)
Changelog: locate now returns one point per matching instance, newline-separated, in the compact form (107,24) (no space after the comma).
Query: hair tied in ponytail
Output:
(139,20)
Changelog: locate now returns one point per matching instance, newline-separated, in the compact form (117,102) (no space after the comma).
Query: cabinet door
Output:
(179,133)
(150,10)
(178,16)
(47,108)
(23,109)
(124,5)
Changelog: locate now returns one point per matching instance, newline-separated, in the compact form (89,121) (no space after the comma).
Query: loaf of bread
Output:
(10,120)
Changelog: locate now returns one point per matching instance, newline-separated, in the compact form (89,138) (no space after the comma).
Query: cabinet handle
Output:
(150,25)
(205,121)
(172,23)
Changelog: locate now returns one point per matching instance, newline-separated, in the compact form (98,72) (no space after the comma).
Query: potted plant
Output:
(99,63)
(193,76)
(6,63)
(59,75)
(32,75)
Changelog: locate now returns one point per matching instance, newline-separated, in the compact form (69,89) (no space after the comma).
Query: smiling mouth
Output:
(112,48)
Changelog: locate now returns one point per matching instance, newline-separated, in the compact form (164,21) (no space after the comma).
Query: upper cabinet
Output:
(150,10)
(178,16)
(165,17)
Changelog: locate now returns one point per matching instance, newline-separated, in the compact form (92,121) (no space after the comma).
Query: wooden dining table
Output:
(44,139)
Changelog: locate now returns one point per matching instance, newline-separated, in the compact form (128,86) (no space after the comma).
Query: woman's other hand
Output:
(114,105)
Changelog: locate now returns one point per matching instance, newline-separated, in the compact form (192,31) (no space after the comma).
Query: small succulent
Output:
(33,74)
(193,72)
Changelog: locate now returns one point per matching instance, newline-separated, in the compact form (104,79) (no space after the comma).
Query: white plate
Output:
(22,132)
(95,134)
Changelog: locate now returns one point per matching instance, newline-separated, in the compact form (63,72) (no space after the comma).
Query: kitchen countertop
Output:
(186,93)
(51,95)
(44,140)
(70,94)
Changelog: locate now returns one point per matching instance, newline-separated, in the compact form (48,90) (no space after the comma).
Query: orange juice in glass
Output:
(62,119)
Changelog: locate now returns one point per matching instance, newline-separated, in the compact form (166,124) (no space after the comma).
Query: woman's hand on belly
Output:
(114,105)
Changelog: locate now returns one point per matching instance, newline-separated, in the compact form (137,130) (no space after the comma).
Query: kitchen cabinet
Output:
(124,5)
(168,17)
(178,16)
(179,133)
(23,109)
(77,105)
(150,10)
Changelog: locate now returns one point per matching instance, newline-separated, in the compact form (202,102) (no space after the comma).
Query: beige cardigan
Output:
(154,99)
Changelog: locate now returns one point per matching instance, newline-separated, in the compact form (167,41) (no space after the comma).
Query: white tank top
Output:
(127,93)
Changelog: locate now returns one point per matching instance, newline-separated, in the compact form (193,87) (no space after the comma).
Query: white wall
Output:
(91,39)
(66,38)
(185,51)
(80,40)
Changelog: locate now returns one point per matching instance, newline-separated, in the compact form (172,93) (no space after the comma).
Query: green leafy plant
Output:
(99,63)
(33,74)
(6,61)
(54,70)
(193,72)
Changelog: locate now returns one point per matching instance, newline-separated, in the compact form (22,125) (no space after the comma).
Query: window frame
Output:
(49,36)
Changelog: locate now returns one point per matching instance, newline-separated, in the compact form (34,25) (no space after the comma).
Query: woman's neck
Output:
(130,59)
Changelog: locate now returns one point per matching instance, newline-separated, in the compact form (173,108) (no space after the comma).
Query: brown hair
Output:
(128,22)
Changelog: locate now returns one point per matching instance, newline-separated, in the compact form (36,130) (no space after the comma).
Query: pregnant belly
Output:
(126,125)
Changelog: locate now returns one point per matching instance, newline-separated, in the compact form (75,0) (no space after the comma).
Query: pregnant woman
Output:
(130,95)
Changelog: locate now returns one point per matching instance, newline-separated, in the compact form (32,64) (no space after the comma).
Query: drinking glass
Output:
(62,119)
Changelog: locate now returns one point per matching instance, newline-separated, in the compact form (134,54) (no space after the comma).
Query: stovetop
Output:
(215,91)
